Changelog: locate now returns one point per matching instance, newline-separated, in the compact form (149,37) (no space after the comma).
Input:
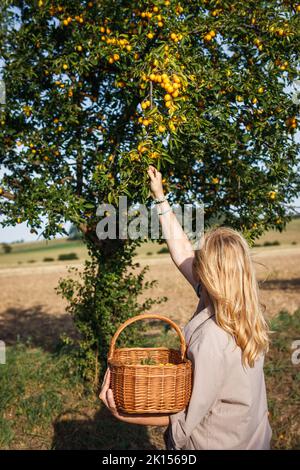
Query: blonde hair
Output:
(224,267)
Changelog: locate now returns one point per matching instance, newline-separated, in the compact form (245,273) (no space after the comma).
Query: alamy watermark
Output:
(2,353)
(296,354)
(2,92)
(296,95)
(140,221)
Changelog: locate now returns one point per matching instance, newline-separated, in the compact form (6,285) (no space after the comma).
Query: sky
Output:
(20,232)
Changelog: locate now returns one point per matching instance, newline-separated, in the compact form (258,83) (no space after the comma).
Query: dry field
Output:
(31,308)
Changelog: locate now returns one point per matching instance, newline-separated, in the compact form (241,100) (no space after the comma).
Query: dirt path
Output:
(30,307)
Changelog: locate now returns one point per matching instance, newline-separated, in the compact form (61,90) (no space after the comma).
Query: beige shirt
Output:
(228,405)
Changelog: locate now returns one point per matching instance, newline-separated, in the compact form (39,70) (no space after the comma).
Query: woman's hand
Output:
(156,182)
(106,395)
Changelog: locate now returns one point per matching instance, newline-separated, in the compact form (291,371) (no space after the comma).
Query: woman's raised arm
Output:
(180,247)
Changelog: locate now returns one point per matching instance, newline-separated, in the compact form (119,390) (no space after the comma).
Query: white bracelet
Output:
(162,213)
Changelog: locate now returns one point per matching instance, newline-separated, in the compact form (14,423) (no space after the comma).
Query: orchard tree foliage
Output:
(98,90)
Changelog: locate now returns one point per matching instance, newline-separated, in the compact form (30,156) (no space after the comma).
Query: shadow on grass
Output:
(102,432)
(41,329)
(35,325)
(282,284)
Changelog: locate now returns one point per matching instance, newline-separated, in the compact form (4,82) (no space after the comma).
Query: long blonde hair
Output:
(224,267)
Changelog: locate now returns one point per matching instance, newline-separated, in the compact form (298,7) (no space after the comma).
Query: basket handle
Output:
(144,316)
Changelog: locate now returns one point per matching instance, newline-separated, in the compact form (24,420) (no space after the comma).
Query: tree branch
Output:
(8,195)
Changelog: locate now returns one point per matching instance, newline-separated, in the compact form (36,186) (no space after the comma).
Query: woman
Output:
(226,341)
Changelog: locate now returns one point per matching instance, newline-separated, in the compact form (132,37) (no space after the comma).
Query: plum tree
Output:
(98,90)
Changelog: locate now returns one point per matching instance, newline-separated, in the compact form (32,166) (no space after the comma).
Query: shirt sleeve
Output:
(208,372)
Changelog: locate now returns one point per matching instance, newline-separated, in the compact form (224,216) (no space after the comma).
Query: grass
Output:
(45,245)
(283,382)
(67,256)
(35,387)
(45,405)
(24,253)
(287,237)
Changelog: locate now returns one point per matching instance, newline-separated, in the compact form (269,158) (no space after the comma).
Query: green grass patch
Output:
(163,250)
(45,405)
(286,237)
(35,248)
(38,251)
(283,382)
(67,256)
(34,388)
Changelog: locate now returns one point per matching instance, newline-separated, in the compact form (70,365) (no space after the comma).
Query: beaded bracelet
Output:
(162,213)
(158,201)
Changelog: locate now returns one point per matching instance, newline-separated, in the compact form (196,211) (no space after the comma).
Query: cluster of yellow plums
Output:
(281,65)
(27,110)
(210,35)
(272,195)
(171,84)
(292,122)
(122,43)
(147,15)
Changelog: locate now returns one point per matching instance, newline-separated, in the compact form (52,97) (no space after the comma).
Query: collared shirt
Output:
(228,405)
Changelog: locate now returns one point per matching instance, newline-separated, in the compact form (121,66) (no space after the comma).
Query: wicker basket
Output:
(140,388)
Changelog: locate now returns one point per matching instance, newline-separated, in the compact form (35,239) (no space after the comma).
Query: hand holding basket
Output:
(150,380)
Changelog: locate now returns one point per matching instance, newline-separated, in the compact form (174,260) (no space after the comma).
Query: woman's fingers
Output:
(153,172)
(106,394)
(111,401)
(106,379)
(105,387)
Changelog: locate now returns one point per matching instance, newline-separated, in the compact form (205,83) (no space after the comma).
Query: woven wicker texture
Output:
(142,388)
